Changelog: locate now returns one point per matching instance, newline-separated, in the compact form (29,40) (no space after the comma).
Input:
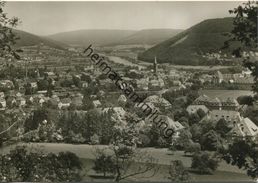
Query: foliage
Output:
(243,154)
(127,161)
(103,163)
(204,163)
(178,172)
(222,127)
(245,31)
(245,100)
(211,141)
(184,139)
(8,38)
(192,148)
(21,165)
(90,126)
(35,119)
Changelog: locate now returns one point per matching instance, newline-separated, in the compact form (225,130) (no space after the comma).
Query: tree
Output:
(245,32)
(7,37)
(244,155)
(177,172)
(35,119)
(222,127)
(245,100)
(201,113)
(211,141)
(125,156)
(196,132)
(22,165)
(184,139)
(103,163)
(192,148)
(204,163)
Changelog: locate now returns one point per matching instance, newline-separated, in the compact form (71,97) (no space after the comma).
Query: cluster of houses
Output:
(227,109)
(63,97)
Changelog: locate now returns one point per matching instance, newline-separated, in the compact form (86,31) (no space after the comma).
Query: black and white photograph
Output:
(128,91)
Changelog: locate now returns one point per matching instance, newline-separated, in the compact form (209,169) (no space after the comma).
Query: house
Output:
(64,103)
(158,101)
(42,101)
(171,124)
(2,95)
(122,99)
(244,129)
(156,83)
(232,117)
(191,109)
(218,77)
(20,101)
(230,104)
(142,84)
(6,84)
(96,103)
(50,74)
(84,84)
(173,75)
(2,103)
(216,103)
(34,85)
(202,100)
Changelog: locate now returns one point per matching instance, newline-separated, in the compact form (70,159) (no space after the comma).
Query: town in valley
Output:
(63,119)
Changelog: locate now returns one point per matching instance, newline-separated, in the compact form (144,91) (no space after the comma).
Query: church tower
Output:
(155,66)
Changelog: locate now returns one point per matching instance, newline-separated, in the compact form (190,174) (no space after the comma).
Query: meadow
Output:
(224,172)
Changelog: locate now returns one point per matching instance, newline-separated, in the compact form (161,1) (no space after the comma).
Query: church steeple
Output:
(155,65)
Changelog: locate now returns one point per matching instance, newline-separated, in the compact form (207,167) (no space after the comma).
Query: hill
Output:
(187,47)
(148,37)
(28,39)
(87,37)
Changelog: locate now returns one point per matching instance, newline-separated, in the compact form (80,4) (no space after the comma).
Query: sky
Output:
(46,18)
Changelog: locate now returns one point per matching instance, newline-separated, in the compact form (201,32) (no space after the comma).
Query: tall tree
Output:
(245,32)
(244,153)
(7,37)
(127,161)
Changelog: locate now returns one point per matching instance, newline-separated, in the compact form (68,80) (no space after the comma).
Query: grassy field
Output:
(225,172)
(224,94)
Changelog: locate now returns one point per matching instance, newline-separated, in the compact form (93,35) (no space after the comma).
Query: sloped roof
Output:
(245,128)
(157,100)
(194,108)
(171,123)
(227,115)
(203,98)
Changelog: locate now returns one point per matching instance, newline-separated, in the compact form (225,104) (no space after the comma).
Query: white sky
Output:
(44,18)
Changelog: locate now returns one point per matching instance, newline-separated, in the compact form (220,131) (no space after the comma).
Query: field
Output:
(224,94)
(225,172)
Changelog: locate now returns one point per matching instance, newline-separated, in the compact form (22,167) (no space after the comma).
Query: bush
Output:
(103,163)
(193,148)
(204,163)
(21,165)
(178,172)
(144,140)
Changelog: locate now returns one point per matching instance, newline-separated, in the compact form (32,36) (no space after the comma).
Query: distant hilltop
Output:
(28,39)
(189,46)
